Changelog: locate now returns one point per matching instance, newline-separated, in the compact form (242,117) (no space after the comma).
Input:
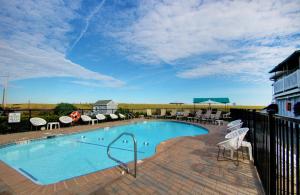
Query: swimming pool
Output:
(48,161)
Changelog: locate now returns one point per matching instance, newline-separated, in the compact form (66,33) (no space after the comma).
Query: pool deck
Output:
(185,165)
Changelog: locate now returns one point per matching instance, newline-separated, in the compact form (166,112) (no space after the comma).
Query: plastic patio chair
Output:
(65,120)
(113,116)
(37,122)
(86,118)
(122,116)
(100,117)
(233,123)
(233,143)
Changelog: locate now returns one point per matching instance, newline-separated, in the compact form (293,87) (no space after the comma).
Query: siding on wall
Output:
(282,106)
(110,108)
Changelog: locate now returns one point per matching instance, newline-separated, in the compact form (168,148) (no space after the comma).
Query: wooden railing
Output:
(288,82)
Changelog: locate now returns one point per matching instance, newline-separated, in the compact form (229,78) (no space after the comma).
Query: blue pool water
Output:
(49,161)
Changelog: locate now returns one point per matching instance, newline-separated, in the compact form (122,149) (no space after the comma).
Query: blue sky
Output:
(145,51)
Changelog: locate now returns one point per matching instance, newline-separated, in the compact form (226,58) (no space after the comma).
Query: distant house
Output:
(286,86)
(105,107)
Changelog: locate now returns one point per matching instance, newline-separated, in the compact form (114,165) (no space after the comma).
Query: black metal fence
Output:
(275,141)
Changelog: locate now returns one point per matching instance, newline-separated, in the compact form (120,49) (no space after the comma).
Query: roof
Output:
(102,102)
(292,62)
(224,100)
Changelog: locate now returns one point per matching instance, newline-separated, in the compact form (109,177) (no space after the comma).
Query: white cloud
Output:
(87,23)
(34,38)
(176,31)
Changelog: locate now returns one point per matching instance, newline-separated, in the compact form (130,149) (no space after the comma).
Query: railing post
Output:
(254,136)
(272,157)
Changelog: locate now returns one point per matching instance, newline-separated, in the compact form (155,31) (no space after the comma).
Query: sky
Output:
(144,51)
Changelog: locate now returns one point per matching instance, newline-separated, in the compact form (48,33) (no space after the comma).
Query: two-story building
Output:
(286,86)
(105,107)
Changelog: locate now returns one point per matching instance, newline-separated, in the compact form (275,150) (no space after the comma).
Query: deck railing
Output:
(275,141)
(288,82)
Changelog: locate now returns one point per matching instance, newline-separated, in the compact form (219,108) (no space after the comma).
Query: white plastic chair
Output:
(234,127)
(233,123)
(122,116)
(100,117)
(230,144)
(234,142)
(241,132)
(36,122)
(113,116)
(249,146)
(86,118)
(65,119)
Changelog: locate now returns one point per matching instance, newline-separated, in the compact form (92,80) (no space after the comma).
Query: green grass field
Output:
(134,106)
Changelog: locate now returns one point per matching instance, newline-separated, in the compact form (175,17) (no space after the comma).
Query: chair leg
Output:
(243,153)
(218,153)
(237,158)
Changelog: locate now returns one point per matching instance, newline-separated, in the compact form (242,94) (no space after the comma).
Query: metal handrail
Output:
(122,164)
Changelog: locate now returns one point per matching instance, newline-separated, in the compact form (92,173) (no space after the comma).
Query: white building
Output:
(105,107)
(286,86)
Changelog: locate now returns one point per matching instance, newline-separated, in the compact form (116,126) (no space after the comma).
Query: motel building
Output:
(286,86)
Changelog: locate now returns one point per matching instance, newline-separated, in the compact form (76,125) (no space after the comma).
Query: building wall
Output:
(283,108)
(110,108)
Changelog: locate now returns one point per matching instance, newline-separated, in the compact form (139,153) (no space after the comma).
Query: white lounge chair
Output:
(216,116)
(122,116)
(162,113)
(172,114)
(65,120)
(149,113)
(113,116)
(37,122)
(86,118)
(226,116)
(197,116)
(206,116)
(183,115)
(100,117)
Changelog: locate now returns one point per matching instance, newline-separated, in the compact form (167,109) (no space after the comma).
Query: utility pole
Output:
(4,95)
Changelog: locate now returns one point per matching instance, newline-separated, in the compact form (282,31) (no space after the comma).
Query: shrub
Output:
(64,109)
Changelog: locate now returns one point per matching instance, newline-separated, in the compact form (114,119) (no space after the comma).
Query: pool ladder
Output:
(122,164)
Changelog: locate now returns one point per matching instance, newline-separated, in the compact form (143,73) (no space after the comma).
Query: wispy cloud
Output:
(87,23)
(33,41)
(243,37)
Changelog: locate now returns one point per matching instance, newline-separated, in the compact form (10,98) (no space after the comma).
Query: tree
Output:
(64,109)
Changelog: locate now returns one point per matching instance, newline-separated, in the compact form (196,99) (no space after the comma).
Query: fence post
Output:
(254,136)
(272,160)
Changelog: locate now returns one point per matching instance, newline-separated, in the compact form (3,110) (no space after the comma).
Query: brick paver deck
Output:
(185,165)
